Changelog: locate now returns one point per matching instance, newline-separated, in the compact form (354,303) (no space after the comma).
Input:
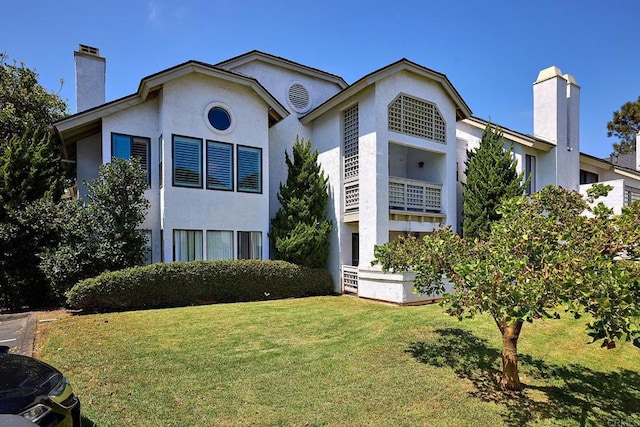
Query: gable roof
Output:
(462,109)
(512,135)
(79,124)
(256,55)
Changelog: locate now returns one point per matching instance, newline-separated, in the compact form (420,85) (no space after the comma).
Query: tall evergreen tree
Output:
(625,125)
(29,170)
(300,230)
(491,177)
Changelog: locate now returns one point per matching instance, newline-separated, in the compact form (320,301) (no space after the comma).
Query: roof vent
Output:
(89,49)
(299,98)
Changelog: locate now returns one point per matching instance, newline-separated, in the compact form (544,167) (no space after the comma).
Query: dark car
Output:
(36,391)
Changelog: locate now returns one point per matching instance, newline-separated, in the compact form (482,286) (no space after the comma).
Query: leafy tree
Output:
(491,177)
(117,204)
(625,125)
(300,229)
(102,236)
(29,170)
(47,247)
(21,282)
(25,106)
(544,257)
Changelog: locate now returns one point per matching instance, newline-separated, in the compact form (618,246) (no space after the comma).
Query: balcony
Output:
(409,195)
(409,200)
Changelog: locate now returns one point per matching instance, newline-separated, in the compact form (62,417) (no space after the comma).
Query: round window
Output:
(219,118)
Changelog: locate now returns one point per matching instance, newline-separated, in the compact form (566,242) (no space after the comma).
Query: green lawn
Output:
(334,361)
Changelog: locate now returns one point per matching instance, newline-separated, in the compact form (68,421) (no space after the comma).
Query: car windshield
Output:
(21,372)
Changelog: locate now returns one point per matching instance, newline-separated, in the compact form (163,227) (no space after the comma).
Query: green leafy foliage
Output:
(117,204)
(491,177)
(29,170)
(545,257)
(48,247)
(185,283)
(300,229)
(625,125)
(102,236)
(25,106)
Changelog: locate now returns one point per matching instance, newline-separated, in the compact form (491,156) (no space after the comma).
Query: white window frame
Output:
(187,245)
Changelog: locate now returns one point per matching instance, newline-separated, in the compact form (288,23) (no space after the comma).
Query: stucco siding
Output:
(278,80)
(184,103)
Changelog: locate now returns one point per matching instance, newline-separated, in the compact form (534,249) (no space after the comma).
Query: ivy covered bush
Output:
(197,282)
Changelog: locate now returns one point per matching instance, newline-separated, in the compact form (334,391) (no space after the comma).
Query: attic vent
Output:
(89,49)
(299,98)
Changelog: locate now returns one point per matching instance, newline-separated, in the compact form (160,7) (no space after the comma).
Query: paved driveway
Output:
(17,332)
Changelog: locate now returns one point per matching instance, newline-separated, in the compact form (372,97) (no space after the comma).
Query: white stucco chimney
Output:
(556,119)
(90,77)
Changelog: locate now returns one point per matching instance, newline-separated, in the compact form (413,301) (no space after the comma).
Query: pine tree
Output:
(300,229)
(625,125)
(491,177)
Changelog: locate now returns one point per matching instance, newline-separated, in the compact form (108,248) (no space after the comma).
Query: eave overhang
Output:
(73,127)
(512,135)
(462,109)
(256,55)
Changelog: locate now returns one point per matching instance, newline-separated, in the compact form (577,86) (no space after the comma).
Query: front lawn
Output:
(334,361)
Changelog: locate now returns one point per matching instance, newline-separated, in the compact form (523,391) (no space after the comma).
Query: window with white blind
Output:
(128,146)
(219,166)
(219,244)
(187,245)
(187,162)
(249,169)
(416,117)
(249,245)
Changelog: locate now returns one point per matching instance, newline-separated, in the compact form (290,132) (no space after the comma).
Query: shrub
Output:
(184,283)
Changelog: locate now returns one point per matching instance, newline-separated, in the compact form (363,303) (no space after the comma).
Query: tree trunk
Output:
(510,334)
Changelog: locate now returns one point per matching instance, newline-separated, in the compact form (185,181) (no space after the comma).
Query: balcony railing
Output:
(631,195)
(349,279)
(410,195)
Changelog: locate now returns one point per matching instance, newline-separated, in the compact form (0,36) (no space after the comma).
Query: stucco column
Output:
(374,196)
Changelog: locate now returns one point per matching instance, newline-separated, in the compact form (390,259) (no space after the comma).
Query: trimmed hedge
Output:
(177,284)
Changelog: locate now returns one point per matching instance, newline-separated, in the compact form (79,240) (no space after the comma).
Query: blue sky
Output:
(490,50)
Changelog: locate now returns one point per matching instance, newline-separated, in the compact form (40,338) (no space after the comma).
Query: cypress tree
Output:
(29,170)
(491,177)
(300,229)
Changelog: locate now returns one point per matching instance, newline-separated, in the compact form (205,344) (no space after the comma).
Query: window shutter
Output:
(219,166)
(249,169)
(187,169)
(121,146)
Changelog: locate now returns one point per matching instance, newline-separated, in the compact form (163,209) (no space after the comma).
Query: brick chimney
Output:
(90,77)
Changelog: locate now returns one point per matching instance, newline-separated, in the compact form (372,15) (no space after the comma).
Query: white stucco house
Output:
(393,144)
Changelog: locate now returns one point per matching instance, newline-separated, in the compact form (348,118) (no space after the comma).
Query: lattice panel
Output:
(351,196)
(351,130)
(351,167)
(433,196)
(415,197)
(396,195)
(416,117)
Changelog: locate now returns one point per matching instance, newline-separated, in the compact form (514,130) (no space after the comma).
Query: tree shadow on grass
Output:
(571,393)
